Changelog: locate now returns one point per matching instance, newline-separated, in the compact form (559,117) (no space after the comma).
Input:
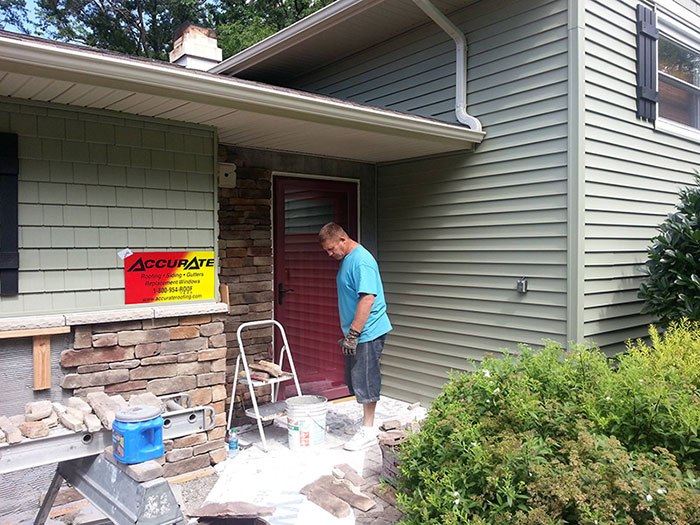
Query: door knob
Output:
(281,291)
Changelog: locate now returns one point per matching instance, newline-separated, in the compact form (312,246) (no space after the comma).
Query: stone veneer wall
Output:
(161,356)
(245,252)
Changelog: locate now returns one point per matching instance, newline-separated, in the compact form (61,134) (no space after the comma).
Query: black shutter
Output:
(647,36)
(9,249)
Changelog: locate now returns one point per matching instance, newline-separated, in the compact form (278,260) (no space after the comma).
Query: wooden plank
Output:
(223,293)
(13,334)
(42,362)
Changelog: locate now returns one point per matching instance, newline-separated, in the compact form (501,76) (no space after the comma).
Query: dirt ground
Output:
(193,492)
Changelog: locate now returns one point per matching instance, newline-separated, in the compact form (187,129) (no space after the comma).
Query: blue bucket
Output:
(137,434)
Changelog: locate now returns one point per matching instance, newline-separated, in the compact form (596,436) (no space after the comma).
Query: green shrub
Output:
(561,437)
(653,397)
(672,288)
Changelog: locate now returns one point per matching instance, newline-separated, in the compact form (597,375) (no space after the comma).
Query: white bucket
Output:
(306,421)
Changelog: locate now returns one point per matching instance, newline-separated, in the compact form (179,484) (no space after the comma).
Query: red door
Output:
(306,300)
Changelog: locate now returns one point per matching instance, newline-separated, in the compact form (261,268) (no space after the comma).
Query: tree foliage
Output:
(242,23)
(672,288)
(145,27)
(135,27)
(13,13)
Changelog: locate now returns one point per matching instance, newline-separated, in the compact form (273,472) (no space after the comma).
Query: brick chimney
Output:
(195,47)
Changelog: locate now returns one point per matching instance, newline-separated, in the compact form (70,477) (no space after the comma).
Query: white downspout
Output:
(461,61)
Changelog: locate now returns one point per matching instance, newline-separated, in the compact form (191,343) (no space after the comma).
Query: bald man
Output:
(364,322)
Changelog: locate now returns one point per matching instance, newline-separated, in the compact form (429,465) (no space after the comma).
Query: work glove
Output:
(349,342)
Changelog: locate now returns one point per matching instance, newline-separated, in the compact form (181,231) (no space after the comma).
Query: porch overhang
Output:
(245,113)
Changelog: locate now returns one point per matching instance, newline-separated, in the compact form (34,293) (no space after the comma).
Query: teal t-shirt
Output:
(359,273)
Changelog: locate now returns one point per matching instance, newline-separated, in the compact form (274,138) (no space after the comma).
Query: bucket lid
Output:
(306,399)
(138,413)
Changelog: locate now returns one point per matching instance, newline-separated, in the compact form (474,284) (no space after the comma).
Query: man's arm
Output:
(364,306)
(350,341)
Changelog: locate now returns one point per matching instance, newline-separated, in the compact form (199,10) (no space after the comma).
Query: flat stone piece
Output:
(37,410)
(131,363)
(178,454)
(391,424)
(146,399)
(104,340)
(351,474)
(232,509)
(32,322)
(211,328)
(12,433)
(327,501)
(104,407)
(3,438)
(16,420)
(34,429)
(120,401)
(344,490)
(186,465)
(92,422)
(111,354)
(52,420)
(172,385)
(71,422)
(79,404)
(145,471)
(137,337)
(218,456)
(153,371)
(107,377)
(75,413)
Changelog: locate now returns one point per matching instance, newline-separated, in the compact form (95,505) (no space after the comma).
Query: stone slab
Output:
(37,410)
(145,471)
(12,433)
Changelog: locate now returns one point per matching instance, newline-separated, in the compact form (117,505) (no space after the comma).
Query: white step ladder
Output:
(268,411)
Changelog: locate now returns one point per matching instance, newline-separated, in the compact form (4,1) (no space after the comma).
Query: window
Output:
(668,70)
(679,81)
(9,255)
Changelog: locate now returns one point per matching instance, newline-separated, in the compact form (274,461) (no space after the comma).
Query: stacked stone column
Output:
(245,249)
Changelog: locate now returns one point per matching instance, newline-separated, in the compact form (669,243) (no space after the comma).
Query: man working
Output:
(364,322)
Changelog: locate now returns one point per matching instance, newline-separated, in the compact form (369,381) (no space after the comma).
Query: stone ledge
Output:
(32,323)
(185,310)
(110,316)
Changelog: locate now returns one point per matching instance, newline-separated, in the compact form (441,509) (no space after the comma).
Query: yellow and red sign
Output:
(155,277)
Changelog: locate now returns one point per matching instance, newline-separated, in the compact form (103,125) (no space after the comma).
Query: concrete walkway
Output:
(275,478)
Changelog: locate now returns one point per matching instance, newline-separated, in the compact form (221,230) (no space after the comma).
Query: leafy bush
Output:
(672,289)
(561,437)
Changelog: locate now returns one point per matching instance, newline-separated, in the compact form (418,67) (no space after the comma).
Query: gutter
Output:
(81,65)
(461,61)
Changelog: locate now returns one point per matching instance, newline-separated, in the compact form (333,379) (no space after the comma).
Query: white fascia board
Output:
(73,64)
(321,20)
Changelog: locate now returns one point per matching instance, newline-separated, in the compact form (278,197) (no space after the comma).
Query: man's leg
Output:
(368,418)
(366,383)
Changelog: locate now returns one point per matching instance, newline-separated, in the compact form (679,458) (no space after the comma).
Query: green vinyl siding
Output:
(455,233)
(514,48)
(92,183)
(633,174)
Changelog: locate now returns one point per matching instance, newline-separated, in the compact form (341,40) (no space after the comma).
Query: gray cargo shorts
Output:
(362,374)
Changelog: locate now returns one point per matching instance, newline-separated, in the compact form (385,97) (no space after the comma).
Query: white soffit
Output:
(245,113)
(338,30)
